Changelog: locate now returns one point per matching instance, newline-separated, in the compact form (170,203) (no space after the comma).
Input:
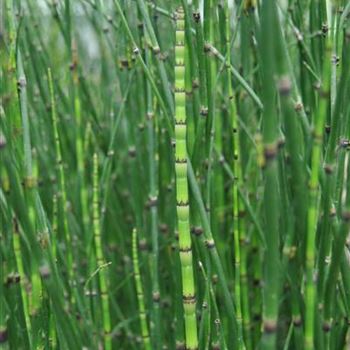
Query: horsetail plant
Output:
(139,292)
(319,119)
(242,310)
(62,182)
(270,138)
(153,199)
(106,319)
(182,201)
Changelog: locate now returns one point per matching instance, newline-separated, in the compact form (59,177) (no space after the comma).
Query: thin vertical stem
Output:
(139,292)
(100,258)
(61,175)
(238,235)
(182,203)
(313,214)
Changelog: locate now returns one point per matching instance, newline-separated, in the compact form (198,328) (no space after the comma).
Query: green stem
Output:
(139,292)
(319,122)
(62,181)
(241,302)
(182,203)
(100,258)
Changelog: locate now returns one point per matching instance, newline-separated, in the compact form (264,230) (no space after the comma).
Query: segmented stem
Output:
(139,292)
(238,227)
(271,291)
(319,122)
(100,259)
(59,161)
(182,203)
(153,196)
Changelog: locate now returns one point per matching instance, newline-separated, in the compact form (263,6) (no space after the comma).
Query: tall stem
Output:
(182,203)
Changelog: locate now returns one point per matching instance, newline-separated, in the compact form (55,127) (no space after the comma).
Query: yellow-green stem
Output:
(182,203)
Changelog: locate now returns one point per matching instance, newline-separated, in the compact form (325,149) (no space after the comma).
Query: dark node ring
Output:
(189,299)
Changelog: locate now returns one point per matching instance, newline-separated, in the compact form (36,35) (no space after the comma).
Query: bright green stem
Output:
(139,292)
(182,203)
(319,122)
(100,259)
